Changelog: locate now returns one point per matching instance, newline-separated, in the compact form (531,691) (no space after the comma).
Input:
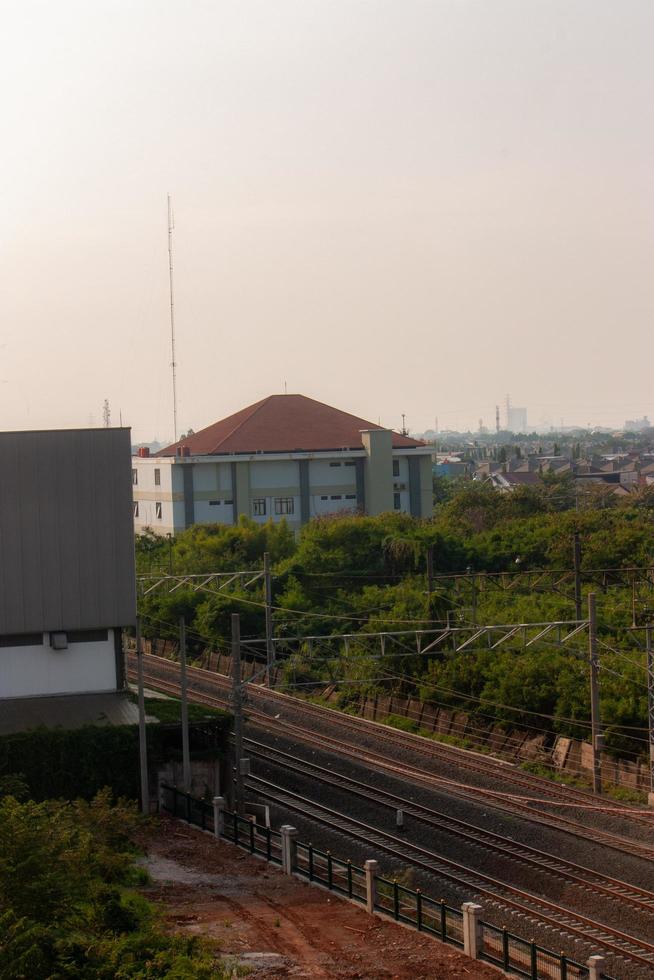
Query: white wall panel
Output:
(40,670)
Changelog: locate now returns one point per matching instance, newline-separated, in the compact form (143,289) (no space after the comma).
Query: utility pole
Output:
(173,363)
(576,557)
(143,745)
(633,600)
(596,725)
(650,711)
(237,703)
(186,755)
(270,650)
(430,569)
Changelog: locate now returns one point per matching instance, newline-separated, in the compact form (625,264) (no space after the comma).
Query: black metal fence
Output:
(408,905)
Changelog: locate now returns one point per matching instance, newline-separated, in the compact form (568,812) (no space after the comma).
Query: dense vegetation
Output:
(359,575)
(59,762)
(69,907)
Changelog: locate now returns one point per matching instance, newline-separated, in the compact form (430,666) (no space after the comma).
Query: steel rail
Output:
(589,930)
(577,874)
(423,777)
(464,758)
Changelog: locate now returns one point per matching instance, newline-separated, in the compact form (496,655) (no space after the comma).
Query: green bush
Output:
(68,908)
(58,763)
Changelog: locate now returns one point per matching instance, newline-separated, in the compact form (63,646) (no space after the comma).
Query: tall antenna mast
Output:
(173,363)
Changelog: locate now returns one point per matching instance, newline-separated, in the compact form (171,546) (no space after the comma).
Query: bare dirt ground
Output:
(283,927)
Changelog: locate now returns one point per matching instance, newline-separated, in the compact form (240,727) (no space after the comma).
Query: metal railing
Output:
(408,905)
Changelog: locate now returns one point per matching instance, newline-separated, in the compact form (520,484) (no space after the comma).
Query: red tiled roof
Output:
(283,424)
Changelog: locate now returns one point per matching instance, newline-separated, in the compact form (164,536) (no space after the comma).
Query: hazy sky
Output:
(395,206)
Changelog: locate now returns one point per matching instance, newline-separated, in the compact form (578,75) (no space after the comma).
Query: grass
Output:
(170,710)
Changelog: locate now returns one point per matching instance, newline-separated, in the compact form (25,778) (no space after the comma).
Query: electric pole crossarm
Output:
(507,636)
(539,636)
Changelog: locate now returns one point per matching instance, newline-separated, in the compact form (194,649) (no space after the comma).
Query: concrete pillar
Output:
(240,489)
(595,966)
(371,867)
(472,937)
(189,492)
(378,479)
(289,848)
(218,816)
(305,491)
(360,465)
(415,497)
(426,487)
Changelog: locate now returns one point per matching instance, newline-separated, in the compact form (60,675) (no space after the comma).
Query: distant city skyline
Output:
(391,207)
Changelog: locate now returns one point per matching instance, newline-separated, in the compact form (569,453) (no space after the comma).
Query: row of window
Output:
(157,472)
(282,505)
(158,510)
(157,478)
(63,637)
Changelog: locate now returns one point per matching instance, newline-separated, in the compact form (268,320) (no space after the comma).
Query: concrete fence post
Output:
(289,848)
(472,936)
(371,867)
(218,816)
(595,966)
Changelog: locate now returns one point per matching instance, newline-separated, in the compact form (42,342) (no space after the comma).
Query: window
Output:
(336,496)
(228,503)
(334,464)
(396,501)
(350,462)
(135,478)
(157,510)
(350,496)
(136,508)
(396,467)
(157,478)
(325,497)
(21,640)
(284,505)
(88,636)
(259,507)
(214,503)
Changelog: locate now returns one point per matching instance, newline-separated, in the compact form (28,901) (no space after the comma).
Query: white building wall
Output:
(332,503)
(32,671)
(322,473)
(218,510)
(269,474)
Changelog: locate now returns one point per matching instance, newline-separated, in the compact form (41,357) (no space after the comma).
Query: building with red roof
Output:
(286,456)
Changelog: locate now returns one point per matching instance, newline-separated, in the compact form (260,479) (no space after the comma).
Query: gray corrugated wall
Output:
(66,530)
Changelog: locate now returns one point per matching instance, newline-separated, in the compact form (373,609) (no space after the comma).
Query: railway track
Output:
(207,687)
(548,791)
(578,875)
(533,907)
